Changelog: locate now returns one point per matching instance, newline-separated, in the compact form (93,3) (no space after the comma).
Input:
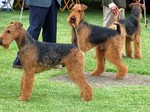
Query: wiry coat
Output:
(109,42)
(95,34)
(39,56)
(47,55)
(89,35)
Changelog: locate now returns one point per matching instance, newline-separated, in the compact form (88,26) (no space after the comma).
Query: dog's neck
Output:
(82,23)
(74,31)
(23,39)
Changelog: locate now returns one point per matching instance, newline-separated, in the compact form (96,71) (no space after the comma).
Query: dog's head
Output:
(10,33)
(77,14)
(137,9)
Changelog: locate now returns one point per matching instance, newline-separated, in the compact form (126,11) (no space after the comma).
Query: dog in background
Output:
(133,30)
(109,42)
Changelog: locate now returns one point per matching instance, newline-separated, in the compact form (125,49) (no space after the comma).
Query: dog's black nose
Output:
(72,19)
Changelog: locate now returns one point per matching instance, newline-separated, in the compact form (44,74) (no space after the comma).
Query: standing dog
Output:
(109,42)
(39,56)
(133,30)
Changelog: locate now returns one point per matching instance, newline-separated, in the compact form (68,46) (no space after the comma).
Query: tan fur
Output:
(74,62)
(111,49)
(136,37)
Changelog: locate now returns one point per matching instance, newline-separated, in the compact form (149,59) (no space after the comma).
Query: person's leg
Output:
(50,25)
(36,19)
(108,16)
(17,63)
(49,33)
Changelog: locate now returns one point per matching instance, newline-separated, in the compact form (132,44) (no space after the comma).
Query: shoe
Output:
(17,63)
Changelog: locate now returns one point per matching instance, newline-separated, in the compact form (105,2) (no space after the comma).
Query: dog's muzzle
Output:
(73,20)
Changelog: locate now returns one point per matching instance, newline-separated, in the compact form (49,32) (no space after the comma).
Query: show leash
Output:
(145,18)
(21,12)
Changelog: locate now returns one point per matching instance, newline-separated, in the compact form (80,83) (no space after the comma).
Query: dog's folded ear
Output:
(141,5)
(71,6)
(84,7)
(18,24)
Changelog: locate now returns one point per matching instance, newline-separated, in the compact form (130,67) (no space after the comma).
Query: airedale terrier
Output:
(40,56)
(108,41)
(133,30)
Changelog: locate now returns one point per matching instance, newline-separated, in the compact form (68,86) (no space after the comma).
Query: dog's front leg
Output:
(128,48)
(100,60)
(26,85)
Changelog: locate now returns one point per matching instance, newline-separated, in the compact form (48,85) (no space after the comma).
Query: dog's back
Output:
(52,53)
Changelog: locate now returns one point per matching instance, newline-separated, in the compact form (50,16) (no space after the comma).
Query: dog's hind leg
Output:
(77,75)
(75,67)
(100,66)
(121,69)
(115,58)
(27,82)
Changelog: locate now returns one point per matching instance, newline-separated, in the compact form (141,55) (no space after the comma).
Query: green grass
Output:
(63,97)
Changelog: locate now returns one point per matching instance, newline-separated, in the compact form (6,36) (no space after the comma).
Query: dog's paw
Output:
(94,74)
(87,93)
(118,77)
(23,98)
(138,57)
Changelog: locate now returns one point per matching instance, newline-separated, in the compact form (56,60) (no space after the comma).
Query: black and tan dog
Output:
(39,56)
(109,42)
(133,30)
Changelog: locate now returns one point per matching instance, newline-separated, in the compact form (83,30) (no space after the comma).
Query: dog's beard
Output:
(4,45)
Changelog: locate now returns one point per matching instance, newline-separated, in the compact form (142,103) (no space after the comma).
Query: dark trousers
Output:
(45,19)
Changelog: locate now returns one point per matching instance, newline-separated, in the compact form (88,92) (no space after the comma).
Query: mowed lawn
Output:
(65,97)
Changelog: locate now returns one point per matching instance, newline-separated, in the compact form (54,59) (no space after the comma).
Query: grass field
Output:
(63,97)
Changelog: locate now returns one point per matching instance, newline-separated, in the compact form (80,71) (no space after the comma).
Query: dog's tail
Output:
(116,17)
(118,27)
(74,38)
